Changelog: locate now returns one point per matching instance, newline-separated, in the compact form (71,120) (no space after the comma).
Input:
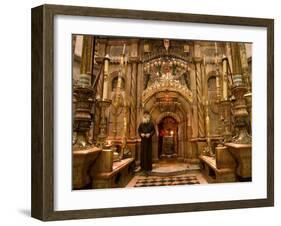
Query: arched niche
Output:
(113,78)
(114,83)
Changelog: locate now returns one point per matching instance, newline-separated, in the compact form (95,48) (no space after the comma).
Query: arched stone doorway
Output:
(171,104)
(167,138)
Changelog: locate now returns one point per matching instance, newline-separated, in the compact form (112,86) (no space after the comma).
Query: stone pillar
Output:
(133,115)
(194,116)
(180,138)
(199,95)
(133,104)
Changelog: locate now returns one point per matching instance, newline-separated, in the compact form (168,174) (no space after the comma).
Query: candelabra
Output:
(118,104)
(83,101)
(240,111)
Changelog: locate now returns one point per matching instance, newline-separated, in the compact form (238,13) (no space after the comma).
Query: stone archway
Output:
(179,108)
(166,114)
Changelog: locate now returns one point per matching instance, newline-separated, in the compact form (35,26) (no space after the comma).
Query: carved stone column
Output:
(194,115)
(199,94)
(133,115)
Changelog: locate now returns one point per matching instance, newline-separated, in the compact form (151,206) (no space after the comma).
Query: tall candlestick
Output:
(105,78)
(105,89)
(204,81)
(123,62)
(216,53)
(224,74)
(124,47)
(207,119)
(218,87)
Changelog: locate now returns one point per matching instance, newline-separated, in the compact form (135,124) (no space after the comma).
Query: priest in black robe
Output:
(146,131)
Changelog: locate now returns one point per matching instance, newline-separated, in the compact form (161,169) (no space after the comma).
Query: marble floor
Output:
(167,173)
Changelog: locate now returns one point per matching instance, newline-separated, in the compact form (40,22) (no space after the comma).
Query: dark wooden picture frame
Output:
(43,112)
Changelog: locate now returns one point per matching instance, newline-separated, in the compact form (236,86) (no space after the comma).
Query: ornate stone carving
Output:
(167,102)
(166,85)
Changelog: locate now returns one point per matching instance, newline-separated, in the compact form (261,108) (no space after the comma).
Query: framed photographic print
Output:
(141,112)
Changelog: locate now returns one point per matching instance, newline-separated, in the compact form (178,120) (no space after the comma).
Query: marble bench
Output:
(213,173)
(121,174)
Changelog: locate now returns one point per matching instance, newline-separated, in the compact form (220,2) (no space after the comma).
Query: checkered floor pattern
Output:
(166,181)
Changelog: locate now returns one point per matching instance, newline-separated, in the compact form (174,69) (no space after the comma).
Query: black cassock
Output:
(146,145)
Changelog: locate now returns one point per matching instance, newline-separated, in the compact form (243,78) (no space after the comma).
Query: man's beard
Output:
(146,119)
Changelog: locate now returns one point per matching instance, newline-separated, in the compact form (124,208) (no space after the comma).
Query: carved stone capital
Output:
(134,59)
(99,59)
(197,60)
